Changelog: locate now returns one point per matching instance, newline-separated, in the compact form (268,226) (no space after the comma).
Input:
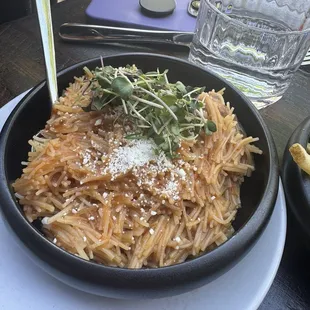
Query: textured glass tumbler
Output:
(256,44)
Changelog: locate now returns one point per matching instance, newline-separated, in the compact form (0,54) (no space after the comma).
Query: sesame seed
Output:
(45,220)
(163,202)
(153,212)
(104,195)
(84,238)
(177,239)
(151,231)
(54,240)
(91,218)
(213,197)
(98,122)
(181,173)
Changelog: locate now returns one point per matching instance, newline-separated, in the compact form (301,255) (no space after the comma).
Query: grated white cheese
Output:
(171,190)
(86,158)
(181,173)
(45,220)
(135,154)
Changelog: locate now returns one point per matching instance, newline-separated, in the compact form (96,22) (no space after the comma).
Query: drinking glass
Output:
(256,44)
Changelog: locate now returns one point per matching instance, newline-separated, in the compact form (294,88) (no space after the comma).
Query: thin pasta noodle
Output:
(153,215)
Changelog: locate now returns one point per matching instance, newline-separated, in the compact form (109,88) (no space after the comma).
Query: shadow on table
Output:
(294,272)
(14,9)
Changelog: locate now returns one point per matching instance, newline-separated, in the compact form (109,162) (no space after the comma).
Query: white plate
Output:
(243,287)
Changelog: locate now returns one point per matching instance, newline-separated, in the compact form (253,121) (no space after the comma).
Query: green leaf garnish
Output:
(158,139)
(208,132)
(158,109)
(133,136)
(181,87)
(102,80)
(211,126)
(122,86)
(169,99)
(175,129)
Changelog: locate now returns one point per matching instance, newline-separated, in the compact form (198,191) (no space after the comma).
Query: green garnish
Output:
(210,127)
(122,86)
(166,112)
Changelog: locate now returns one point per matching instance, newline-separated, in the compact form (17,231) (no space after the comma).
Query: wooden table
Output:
(22,67)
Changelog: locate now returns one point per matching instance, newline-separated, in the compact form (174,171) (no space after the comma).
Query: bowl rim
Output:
(298,199)
(260,216)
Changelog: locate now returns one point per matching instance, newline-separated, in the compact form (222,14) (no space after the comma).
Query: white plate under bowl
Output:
(244,287)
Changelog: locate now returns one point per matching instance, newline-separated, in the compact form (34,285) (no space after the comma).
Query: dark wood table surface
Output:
(22,67)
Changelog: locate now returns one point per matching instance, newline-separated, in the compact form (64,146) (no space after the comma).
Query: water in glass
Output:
(256,44)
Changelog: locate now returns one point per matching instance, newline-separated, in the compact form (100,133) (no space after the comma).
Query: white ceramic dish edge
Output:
(250,284)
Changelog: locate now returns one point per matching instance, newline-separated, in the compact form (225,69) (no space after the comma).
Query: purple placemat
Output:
(127,13)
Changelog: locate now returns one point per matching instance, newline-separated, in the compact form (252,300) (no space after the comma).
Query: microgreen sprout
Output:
(164,111)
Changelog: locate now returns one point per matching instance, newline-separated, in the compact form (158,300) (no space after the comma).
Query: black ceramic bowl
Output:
(297,183)
(258,193)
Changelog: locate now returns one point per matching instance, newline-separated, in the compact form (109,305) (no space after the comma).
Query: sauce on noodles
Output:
(120,203)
